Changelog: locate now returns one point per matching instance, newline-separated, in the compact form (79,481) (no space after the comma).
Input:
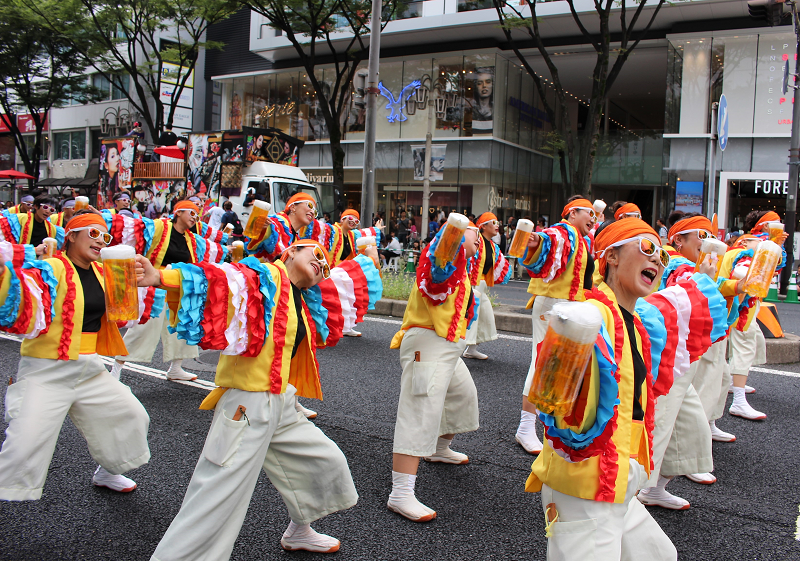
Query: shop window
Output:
(69,145)
(470,5)
(409,10)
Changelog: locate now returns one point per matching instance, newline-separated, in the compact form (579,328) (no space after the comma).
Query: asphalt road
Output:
(750,513)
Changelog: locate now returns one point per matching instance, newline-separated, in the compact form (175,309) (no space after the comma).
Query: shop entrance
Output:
(741,193)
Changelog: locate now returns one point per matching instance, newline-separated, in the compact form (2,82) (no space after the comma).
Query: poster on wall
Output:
(437,161)
(154,197)
(231,164)
(482,102)
(116,163)
(204,162)
(271,145)
(689,196)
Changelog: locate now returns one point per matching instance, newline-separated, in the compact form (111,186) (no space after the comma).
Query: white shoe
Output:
(307,413)
(746,412)
(719,435)
(445,455)
(472,352)
(747,389)
(404,502)
(351,333)
(702,478)
(297,537)
(116,370)
(178,373)
(656,496)
(118,483)
(526,434)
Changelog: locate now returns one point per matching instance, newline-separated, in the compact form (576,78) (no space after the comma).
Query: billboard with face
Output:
(116,168)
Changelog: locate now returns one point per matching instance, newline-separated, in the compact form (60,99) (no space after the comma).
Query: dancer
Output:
(163,243)
(682,435)
(627,210)
(32,227)
(438,398)
(487,267)
(595,458)
(60,311)
(269,353)
(555,280)
(24,206)
(63,217)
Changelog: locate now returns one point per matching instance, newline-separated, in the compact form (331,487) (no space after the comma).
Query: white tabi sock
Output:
(739,397)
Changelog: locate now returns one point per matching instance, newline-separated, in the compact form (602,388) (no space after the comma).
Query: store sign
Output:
(495,201)
(762,188)
(773,110)
(276,110)
(327,178)
(25,123)
(397,105)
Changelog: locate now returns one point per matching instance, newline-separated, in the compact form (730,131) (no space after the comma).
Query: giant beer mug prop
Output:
(564,356)
(775,231)
(521,236)
(119,274)
(51,244)
(81,203)
(711,246)
(365,242)
(237,251)
(451,238)
(759,276)
(258,219)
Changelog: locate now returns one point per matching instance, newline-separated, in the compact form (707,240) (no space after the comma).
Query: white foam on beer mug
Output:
(263,205)
(768,246)
(82,199)
(775,226)
(458,220)
(237,243)
(576,321)
(364,241)
(524,225)
(49,240)
(712,246)
(599,206)
(740,272)
(117,252)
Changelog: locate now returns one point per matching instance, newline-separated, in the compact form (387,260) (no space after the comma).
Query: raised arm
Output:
(558,246)
(273,240)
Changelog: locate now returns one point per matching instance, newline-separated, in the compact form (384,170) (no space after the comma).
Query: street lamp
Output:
(123,121)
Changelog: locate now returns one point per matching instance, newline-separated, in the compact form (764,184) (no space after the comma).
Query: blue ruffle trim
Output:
(60,235)
(717,306)
(194,288)
(49,277)
(10,309)
(159,302)
(148,232)
(545,244)
(313,299)
(374,281)
(268,288)
(607,400)
(200,243)
(16,228)
(674,263)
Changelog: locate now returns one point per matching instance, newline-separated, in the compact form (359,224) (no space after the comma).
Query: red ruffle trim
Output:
(117,227)
(193,247)
(700,322)
(312,336)
(25,235)
(331,302)
(149,298)
(279,334)
(215,311)
(667,365)
(577,277)
(155,253)
(450,285)
(649,414)
(744,312)
(67,310)
(255,312)
(476,263)
(5,227)
(461,300)
(360,289)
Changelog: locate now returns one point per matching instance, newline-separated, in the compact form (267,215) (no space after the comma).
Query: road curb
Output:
(785,350)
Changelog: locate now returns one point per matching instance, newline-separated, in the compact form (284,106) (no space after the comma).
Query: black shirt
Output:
(488,264)
(94,300)
(347,249)
(587,277)
(639,370)
(38,231)
(301,326)
(177,250)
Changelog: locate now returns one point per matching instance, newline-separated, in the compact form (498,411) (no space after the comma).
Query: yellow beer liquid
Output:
(559,373)
(759,276)
(448,245)
(775,234)
(256,223)
(122,296)
(519,243)
(51,248)
(228,228)
(237,253)
(702,258)
(80,205)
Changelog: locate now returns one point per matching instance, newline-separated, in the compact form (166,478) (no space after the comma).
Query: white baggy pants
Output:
(541,305)
(712,380)
(593,530)
(305,466)
(483,328)
(104,410)
(746,348)
(437,394)
(681,437)
(141,341)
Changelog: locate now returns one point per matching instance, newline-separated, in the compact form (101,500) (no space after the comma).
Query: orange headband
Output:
(582,203)
(740,241)
(691,223)
(486,217)
(83,220)
(186,205)
(307,243)
(625,209)
(769,217)
(351,212)
(616,232)
(297,198)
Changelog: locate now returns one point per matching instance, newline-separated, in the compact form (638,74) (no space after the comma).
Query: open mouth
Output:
(96,249)
(649,275)
(317,269)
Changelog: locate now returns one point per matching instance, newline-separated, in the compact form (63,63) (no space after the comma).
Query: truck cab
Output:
(273,183)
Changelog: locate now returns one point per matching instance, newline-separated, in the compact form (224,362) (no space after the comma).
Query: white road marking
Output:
(398,322)
(772,371)
(797,528)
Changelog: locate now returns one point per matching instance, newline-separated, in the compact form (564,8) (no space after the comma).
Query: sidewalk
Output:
(516,319)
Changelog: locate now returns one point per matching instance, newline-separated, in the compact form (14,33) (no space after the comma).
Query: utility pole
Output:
(372,91)
(712,159)
(794,161)
(426,184)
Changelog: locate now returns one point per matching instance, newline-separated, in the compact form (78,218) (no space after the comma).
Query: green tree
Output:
(315,29)
(135,39)
(576,153)
(38,72)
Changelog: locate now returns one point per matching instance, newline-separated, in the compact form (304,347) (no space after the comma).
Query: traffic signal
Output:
(770,11)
